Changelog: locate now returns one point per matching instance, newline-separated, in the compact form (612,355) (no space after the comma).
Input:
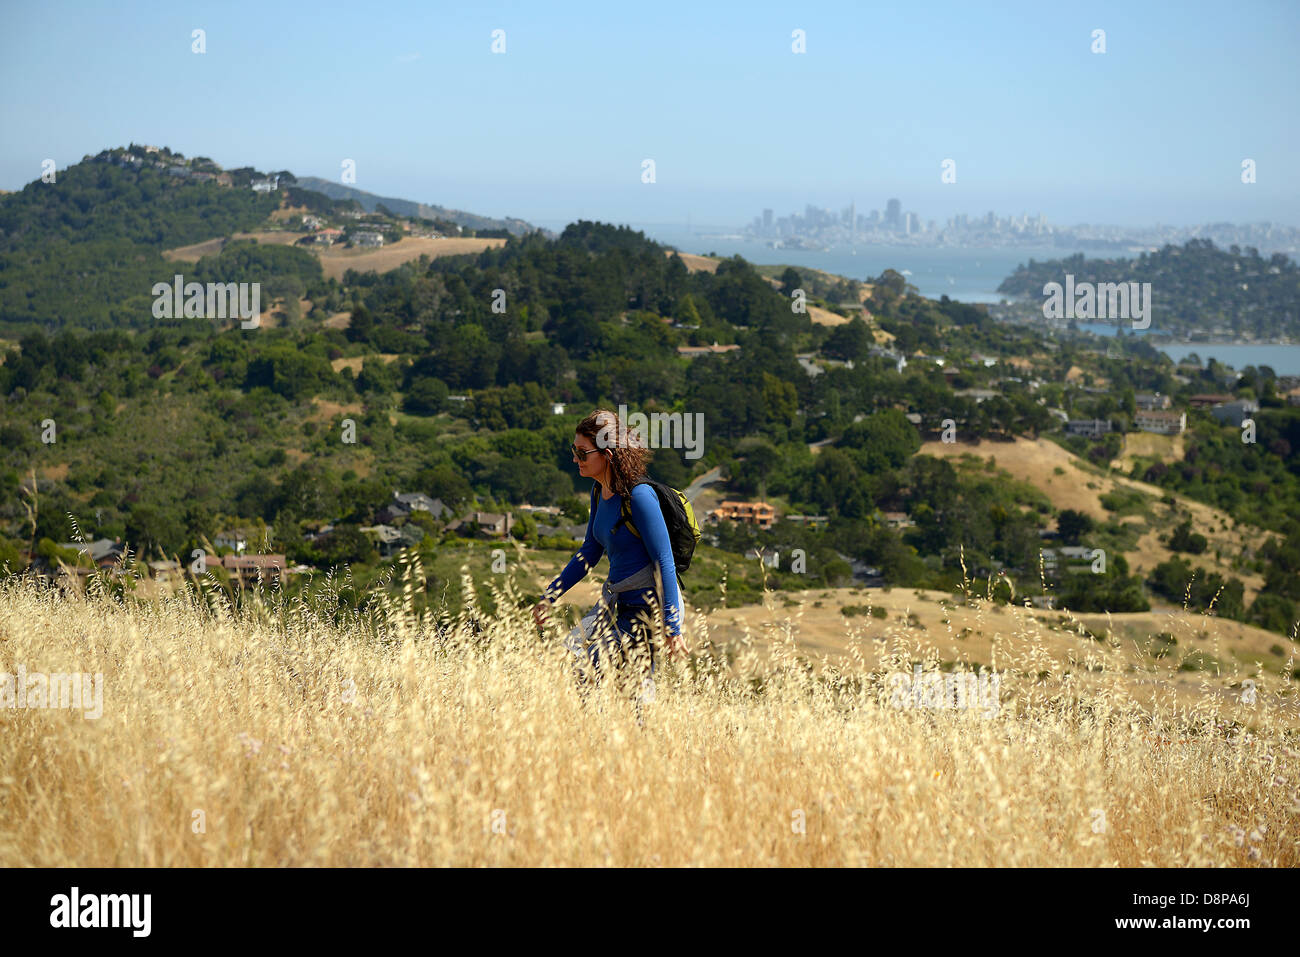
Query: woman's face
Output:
(593,465)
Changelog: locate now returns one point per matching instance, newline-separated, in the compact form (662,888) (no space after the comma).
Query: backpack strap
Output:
(626,515)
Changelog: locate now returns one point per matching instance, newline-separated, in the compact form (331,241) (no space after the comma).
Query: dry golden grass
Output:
(210,247)
(336,261)
(382,739)
(694,263)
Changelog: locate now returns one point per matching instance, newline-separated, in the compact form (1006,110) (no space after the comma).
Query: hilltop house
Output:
(1164,423)
(403,505)
(492,524)
(1090,428)
(898,520)
(266,185)
(103,552)
(1234,413)
(753,513)
(248,569)
(368,239)
(1207,400)
(393,540)
(1149,401)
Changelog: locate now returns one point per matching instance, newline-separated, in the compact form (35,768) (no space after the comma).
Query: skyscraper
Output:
(893,210)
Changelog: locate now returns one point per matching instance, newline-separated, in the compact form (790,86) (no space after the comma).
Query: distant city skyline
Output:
(1153,130)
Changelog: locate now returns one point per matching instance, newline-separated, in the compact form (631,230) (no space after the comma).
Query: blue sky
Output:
(1153,130)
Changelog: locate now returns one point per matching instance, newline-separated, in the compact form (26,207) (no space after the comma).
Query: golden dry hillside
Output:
(1072,483)
(336,261)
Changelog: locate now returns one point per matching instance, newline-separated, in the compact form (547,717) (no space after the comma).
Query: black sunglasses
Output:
(582,453)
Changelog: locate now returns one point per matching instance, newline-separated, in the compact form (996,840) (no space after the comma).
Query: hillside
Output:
(461,377)
(117,219)
(1197,290)
(404,207)
(1070,483)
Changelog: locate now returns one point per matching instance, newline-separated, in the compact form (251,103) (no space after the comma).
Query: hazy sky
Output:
(1154,129)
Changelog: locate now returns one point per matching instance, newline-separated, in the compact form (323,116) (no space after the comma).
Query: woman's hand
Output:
(540,611)
(676,646)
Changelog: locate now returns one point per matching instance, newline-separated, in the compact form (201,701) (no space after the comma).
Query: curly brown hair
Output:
(628,452)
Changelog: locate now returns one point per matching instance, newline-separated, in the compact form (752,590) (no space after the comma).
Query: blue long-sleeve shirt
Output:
(628,554)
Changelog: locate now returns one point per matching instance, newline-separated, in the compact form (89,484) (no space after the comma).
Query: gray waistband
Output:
(645,578)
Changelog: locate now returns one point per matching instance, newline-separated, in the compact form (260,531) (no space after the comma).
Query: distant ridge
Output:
(405,207)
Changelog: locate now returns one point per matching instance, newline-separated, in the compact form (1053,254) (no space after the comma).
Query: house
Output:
(419,502)
(327,237)
(1235,413)
(369,239)
(807,364)
(753,513)
(165,571)
(1164,423)
(384,536)
(1078,558)
(898,520)
(266,185)
(899,360)
(979,395)
(869,575)
(1149,401)
(492,524)
(313,222)
(249,569)
(1207,400)
(403,505)
(913,417)
(540,509)
(557,408)
(1091,428)
(103,552)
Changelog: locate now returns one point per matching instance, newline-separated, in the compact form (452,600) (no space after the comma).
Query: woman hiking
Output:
(619,629)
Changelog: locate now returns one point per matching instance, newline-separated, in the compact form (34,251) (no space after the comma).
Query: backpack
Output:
(679,516)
